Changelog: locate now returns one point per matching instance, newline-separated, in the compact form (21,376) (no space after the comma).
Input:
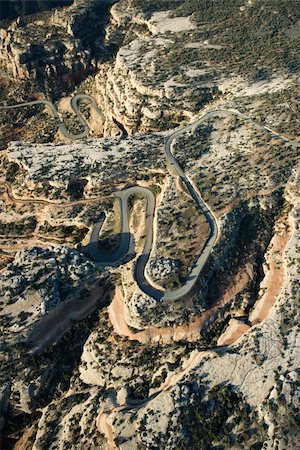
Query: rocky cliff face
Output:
(144,396)
(140,91)
(64,44)
(217,369)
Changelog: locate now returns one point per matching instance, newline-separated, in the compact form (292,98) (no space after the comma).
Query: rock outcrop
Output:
(149,395)
(138,90)
(102,162)
(63,44)
(163,268)
(218,368)
(52,273)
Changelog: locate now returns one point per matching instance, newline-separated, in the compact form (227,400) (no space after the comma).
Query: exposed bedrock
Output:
(139,91)
(64,44)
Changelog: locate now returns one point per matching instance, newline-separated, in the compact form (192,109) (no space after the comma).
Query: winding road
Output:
(142,278)
(75,107)
(116,258)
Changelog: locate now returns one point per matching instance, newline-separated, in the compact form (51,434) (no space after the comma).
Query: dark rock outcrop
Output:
(11,9)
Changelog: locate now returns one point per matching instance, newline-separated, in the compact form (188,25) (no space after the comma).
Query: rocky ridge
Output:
(137,89)
(41,278)
(219,397)
(101,163)
(149,374)
(35,287)
(57,44)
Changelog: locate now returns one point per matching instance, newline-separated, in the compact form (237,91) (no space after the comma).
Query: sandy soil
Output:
(236,328)
(29,304)
(103,420)
(5,259)
(137,224)
(274,281)
(64,105)
(158,202)
(271,286)
(22,442)
(105,428)
(96,126)
(275,277)
(174,377)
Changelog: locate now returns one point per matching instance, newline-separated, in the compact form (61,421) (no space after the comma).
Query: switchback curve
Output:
(143,280)
(75,107)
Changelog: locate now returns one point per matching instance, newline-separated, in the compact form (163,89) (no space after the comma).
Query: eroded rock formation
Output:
(65,43)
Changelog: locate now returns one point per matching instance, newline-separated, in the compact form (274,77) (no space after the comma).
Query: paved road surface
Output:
(140,270)
(144,281)
(75,107)
(116,258)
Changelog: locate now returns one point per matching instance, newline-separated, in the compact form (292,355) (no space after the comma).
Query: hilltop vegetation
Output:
(255,35)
